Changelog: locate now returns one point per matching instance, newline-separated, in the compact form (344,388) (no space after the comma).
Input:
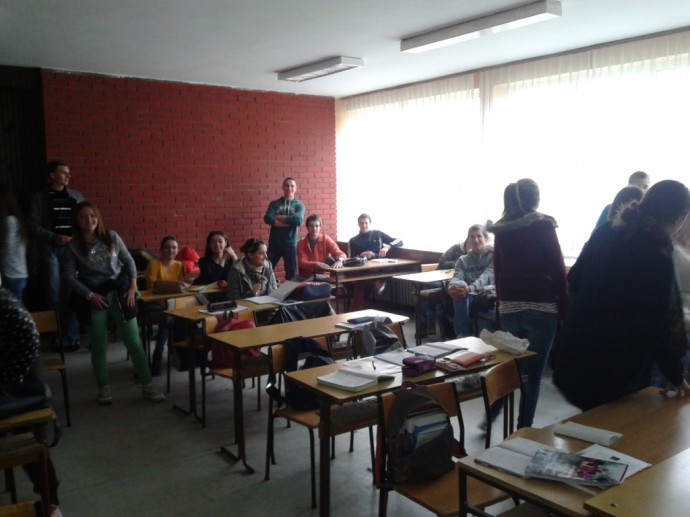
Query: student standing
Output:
(626,313)
(101,272)
(285,216)
(51,221)
(530,281)
(13,266)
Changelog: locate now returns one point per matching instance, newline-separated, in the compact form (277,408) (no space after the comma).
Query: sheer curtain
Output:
(427,161)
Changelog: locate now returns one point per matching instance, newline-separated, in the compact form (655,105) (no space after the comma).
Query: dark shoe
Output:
(73,346)
(156,362)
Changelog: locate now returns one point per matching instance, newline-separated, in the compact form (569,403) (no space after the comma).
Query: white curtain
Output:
(427,161)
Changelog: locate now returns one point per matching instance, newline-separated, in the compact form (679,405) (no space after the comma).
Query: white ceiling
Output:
(244,43)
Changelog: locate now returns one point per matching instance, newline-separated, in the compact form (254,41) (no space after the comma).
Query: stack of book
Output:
(424,427)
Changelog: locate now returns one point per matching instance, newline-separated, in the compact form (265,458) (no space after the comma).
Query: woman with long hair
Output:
(530,281)
(103,278)
(13,268)
(625,315)
(219,258)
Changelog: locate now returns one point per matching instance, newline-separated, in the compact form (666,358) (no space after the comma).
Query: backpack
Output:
(314,355)
(221,356)
(419,437)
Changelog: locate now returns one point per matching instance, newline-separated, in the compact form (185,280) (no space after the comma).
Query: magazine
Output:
(575,468)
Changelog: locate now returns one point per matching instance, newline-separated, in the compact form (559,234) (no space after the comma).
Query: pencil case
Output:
(417,365)
(468,358)
(221,306)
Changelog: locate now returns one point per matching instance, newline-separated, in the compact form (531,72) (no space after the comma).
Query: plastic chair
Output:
(499,385)
(344,419)
(47,323)
(440,496)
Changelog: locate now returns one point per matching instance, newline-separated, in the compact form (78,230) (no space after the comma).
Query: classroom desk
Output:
(329,396)
(654,429)
(421,281)
(371,270)
(240,340)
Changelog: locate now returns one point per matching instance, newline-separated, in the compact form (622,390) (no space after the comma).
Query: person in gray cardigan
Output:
(92,267)
(253,274)
(50,222)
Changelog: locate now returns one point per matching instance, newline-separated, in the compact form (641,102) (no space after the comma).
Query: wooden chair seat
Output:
(442,497)
(29,420)
(21,510)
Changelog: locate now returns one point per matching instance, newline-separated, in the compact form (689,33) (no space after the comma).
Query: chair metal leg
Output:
(65,395)
(313,468)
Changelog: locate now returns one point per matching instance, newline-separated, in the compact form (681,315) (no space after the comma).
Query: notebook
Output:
(277,296)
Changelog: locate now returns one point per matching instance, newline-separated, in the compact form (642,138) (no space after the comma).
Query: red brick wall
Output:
(170,158)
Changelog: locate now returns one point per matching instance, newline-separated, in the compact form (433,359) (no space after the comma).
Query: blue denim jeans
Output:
(540,329)
(289,255)
(16,286)
(461,318)
(50,265)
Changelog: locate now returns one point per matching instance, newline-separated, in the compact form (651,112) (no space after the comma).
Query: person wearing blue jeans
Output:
(51,222)
(530,281)
(285,216)
(474,272)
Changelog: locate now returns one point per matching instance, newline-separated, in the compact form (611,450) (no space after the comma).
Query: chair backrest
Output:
(46,322)
(499,385)
(21,510)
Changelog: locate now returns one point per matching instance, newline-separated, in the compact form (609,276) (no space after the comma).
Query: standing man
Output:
(51,219)
(317,250)
(285,216)
(639,179)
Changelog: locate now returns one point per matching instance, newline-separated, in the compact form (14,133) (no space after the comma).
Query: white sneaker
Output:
(104,396)
(153,394)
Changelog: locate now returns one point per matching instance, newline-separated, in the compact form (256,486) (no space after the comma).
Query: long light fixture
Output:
(490,24)
(321,68)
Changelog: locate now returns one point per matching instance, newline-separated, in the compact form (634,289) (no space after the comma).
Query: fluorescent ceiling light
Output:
(321,68)
(493,23)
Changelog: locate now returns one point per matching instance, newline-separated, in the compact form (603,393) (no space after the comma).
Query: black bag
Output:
(376,338)
(485,300)
(354,262)
(302,311)
(314,355)
(419,437)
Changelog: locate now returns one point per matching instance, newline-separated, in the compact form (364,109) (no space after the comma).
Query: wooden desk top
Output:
(274,334)
(193,314)
(659,490)
(370,265)
(147,295)
(654,429)
(307,378)
(427,277)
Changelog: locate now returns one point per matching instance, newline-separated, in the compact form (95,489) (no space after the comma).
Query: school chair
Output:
(440,496)
(499,385)
(47,322)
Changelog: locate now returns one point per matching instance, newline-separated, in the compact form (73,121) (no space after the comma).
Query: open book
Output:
(279,295)
(353,378)
(575,468)
(437,350)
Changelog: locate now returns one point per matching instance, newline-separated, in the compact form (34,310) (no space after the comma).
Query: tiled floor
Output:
(136,458)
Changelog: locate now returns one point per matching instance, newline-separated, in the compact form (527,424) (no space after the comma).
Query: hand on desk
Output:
(680,391)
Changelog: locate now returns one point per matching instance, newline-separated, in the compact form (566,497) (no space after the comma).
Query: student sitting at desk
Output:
(474,272)
(369,244)
(253,274)
(163,268)
(219,258)
(317,250)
